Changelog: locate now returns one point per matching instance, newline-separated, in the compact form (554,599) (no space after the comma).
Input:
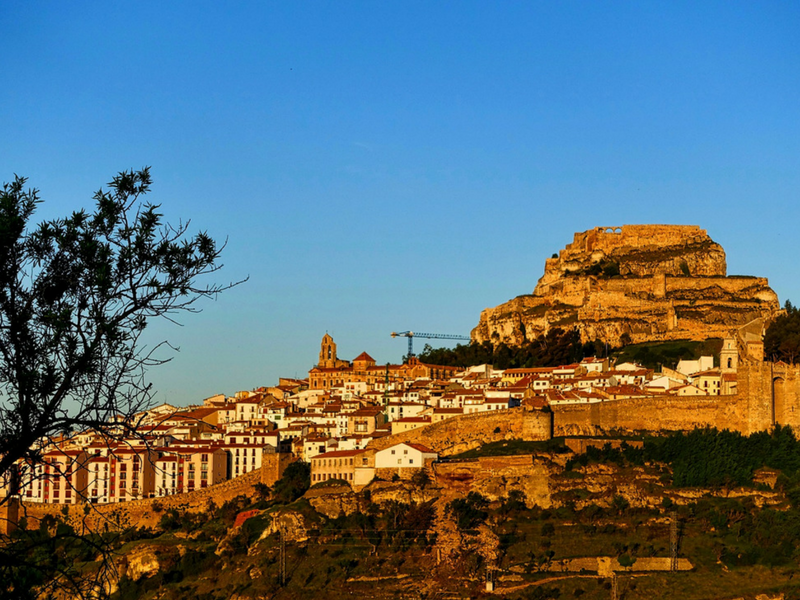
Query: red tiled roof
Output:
(420,447)
(339,454)
(413,420)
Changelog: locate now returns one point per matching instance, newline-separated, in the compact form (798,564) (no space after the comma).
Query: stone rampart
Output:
(462,433)
(636,415)
(9,515)
(639,250)
(140,513)
(767,394)
(273,465)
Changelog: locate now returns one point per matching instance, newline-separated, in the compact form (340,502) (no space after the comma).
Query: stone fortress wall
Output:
(652,249)
(462,433)
(768,394)
(142,513)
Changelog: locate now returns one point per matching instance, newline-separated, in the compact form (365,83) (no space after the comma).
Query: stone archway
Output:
(778,401)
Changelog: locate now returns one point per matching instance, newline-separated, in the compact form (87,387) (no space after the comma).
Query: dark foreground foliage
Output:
(782,339)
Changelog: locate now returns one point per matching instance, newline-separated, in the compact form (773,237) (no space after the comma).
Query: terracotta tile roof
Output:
(413,420)
(421,448)
(339,454)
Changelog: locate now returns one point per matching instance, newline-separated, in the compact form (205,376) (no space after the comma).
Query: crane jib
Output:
(436,336)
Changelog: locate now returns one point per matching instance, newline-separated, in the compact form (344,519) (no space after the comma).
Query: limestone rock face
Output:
(645,282)
(146,560)
(333,501)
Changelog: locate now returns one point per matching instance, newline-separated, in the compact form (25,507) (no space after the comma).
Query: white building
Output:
(403,456)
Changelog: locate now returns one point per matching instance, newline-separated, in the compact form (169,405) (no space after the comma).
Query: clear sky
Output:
(386,166)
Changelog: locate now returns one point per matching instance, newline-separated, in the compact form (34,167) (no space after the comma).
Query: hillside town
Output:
(329,420)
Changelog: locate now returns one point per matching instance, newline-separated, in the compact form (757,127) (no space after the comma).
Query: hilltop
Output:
(632,284)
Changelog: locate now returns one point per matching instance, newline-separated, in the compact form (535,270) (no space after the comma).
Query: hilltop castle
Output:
(635,283)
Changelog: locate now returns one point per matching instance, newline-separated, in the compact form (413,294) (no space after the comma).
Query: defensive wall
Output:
(662,246)
(768,394)
(9,515)
(635,415)
(273,465)
(573,290)
(610,238)
(140,513)
(462,433)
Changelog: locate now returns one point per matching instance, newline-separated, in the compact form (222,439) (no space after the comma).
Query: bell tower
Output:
(729,356)
(327,352)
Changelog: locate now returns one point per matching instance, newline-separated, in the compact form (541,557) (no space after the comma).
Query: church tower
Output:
(729,356)
(327,352)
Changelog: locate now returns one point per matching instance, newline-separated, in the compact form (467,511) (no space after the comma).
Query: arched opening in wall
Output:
(778,402)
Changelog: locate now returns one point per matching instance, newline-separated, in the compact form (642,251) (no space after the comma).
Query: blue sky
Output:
(385,166)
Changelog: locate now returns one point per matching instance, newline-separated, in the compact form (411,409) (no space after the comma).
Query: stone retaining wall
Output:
(462,433)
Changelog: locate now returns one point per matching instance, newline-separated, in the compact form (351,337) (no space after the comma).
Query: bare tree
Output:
(75,297)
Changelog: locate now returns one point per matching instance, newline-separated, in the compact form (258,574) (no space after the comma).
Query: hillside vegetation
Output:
(414,539)
(561,347)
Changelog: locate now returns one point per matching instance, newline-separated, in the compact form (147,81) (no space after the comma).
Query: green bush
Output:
(294,483)
(469,512)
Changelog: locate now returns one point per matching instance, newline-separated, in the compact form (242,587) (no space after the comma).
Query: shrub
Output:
(469,512)
(626,560)
(294,483)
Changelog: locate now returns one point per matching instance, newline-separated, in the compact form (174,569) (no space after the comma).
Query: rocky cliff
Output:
(641,282)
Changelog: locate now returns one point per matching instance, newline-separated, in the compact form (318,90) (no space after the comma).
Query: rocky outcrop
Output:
(636,283)
(147,560)
(333,501)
